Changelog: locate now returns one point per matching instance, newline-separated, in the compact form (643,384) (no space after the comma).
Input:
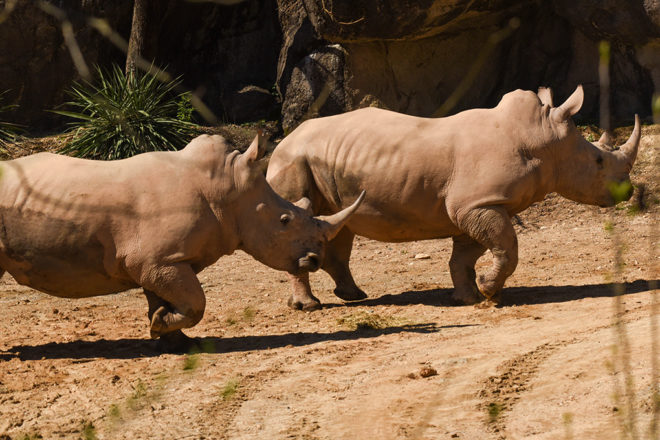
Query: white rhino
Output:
(78,228)
(462,176)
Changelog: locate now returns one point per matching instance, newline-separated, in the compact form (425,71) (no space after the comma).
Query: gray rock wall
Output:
(439,57)
(298,59)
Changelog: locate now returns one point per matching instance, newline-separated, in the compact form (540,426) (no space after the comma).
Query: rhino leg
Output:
(302,297)
(179,289)
(491,227)
(338,254)
(175,341)
(465,254)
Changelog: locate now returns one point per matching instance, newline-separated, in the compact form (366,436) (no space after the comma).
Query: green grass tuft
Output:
(369,321)
(229,390)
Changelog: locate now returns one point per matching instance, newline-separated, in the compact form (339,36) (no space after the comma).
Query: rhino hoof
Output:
(308,306)
(354,294)
(466,298)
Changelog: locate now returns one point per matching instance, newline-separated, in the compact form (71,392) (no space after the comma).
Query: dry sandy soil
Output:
(552,361)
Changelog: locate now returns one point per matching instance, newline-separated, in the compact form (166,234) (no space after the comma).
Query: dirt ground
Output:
(561,357)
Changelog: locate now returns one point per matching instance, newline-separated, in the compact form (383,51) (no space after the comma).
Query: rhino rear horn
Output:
(629,149)
(572,105)
(545,95)
(332,224)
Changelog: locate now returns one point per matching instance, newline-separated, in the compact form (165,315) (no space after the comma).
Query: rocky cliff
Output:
(304,58)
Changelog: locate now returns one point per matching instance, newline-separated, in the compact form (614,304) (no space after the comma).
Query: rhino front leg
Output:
(181,300)
(491,227)
(175,341)
(465,254)
(337,256)
(302,297)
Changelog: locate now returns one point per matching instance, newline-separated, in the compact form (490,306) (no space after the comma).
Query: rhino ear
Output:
(545,95)
(257,148)
(572,105)
(305,204)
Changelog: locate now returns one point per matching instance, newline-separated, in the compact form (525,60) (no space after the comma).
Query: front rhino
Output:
(442,177)
(79,228)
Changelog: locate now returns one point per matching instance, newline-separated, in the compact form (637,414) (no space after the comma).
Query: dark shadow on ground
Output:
(144,348)
(511,296)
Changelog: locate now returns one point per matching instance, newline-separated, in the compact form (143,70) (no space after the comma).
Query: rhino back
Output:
(64,219)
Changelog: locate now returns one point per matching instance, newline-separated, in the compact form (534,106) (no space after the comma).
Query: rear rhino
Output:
(77,228)
(462,176)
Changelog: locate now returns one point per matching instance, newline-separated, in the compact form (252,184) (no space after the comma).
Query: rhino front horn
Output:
(629,149)
(332,224)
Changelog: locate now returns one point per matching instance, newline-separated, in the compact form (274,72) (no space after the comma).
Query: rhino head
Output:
(280,234)
(586,172)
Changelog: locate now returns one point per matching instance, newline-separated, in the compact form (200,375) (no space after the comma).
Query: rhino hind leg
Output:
(491,227)
(465,254)
(183,299)
(336,264)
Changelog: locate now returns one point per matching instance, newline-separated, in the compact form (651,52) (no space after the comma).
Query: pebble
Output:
(422,257)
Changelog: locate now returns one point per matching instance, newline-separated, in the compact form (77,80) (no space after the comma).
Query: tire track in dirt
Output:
(501,392)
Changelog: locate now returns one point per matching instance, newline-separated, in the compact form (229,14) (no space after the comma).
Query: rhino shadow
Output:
(132,348)
(511,296)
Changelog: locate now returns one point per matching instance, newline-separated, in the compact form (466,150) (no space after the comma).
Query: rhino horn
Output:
(571,106)
(334,223)
(545,95)
(629,149)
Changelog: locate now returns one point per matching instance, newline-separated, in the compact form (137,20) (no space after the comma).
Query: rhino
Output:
(462,176)
(77,228)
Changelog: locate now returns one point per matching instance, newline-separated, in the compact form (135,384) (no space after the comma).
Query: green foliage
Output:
(8,131)
(190,362)
(34,436)
(184,107)
(88,431)
(494,411)
(370,321)
(229,390)
(620,191)
(123,115)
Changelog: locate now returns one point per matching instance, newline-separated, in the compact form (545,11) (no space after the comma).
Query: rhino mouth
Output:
(309,263)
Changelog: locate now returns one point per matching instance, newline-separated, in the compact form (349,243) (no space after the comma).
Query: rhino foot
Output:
(177,342)
(353,294)
(467,297)
(307,306)
(489,290)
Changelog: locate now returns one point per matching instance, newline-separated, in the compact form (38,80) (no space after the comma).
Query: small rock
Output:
(422,257)
(428,372)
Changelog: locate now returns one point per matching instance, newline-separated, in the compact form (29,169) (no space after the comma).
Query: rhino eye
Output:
(285,218)
(599,161)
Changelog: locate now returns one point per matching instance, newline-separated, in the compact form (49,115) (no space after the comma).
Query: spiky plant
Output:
(121,115)
(8,130)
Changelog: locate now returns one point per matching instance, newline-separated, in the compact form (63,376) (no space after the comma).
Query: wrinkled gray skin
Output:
(76,228)
(462,176)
